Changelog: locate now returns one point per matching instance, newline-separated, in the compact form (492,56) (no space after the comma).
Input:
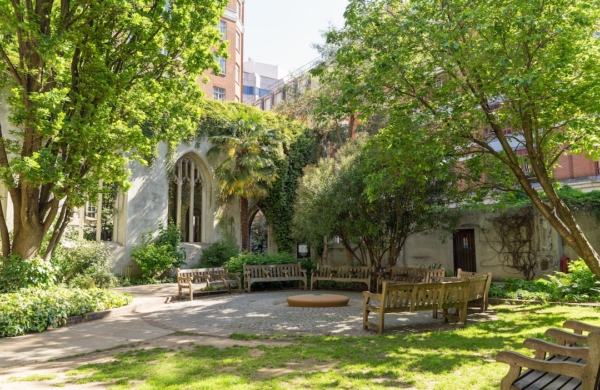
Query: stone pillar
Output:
(191,210)
(99,215)
(179,184)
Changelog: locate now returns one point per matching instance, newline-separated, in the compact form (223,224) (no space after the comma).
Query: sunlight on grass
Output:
(33,378)
(462,358)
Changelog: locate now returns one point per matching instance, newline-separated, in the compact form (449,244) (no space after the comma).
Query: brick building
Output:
(227,85)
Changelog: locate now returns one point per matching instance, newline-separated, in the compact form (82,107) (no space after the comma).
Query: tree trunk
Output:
(245,229)
(27,242)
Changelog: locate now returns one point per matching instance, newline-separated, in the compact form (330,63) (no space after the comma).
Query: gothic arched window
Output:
(185,199)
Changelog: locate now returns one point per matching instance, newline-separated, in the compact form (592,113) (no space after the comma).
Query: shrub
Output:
(218,253)
(34,309)
(16,273)
(236,264)
(87,264)
(579,285)
(158,256)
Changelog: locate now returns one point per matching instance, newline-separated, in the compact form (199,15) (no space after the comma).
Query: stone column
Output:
(191,210)
(178,201)
(99,215)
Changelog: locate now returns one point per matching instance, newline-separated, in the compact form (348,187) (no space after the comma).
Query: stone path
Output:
(217,315)
(268,313)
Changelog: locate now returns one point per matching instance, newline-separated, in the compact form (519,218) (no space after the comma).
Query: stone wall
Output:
(423,250)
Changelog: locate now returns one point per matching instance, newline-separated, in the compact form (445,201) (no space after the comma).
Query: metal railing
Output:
(287,79)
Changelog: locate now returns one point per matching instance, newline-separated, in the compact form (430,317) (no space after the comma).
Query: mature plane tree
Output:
(504,88)
(92,86)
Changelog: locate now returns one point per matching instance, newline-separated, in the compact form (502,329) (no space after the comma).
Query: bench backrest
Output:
(424,275)
(591,373)
(455,294)
(477,287)
(419,296)
(272,270)
(196,273)
(470,275)
(358,272)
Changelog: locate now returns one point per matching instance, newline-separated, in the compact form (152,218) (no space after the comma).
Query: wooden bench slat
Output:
(359,274)
(186,278)
(273,273)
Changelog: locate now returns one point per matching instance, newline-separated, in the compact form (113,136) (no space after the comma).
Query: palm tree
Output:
(250,150)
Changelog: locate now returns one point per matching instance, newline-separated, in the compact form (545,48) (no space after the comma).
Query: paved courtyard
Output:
(268,313)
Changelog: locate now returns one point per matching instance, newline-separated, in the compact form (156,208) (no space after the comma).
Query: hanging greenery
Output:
(299,150)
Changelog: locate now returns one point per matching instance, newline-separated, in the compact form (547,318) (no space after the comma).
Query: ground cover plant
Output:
(579,285)
(462,358)
(34,309)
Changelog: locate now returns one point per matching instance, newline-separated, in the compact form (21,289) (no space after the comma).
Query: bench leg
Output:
(365,318)
(381,317)
(249,285)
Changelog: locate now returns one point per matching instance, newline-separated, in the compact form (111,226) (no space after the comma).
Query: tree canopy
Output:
(91,87)
(499,89)
(334,200)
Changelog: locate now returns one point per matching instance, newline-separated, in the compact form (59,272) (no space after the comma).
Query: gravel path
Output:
(268,313)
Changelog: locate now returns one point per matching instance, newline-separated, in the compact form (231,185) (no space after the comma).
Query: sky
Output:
(280,32)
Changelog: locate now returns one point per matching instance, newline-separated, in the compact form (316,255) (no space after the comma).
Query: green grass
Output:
(33,378)
(458,359)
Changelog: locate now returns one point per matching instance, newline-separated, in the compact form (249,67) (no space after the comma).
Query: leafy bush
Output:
(236,264)
(34,309)
(218,253)
(158,256)
(579,285)
(16,273)
(85,265)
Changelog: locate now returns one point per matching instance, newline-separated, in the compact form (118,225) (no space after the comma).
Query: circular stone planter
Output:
(318,300)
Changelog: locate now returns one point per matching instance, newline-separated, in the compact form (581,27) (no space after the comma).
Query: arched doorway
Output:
(259,233)
(186,199)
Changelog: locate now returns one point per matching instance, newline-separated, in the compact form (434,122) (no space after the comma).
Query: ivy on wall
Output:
(299,147)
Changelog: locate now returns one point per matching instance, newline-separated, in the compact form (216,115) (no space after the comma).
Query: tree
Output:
(250,149)
(525,71)
(93,86)
(333,200)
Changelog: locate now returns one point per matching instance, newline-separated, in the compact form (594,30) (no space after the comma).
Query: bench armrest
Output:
(246,273)
(368,295)
(563,337)
(303,272)
(579,326)
(234,274)
(542,347)
(562,368)
(184,279)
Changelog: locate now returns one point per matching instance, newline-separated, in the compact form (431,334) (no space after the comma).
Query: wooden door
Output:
(464,251)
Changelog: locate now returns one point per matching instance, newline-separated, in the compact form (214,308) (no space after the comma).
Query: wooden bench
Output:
(273,273)
(219,276)
(398,298)
(342,274)
(555,365)
(411,275)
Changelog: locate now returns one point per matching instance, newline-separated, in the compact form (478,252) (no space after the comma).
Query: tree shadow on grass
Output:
(462,358)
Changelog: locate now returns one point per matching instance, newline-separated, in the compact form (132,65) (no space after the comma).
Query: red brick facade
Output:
(232,85)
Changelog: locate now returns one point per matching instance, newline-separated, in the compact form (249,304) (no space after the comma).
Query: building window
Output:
(223,29)
(438,82)
(248,90)
(237,73)
(222,64)
(239,8)
(238,41)
(219,94)
(90,211)
(185,199)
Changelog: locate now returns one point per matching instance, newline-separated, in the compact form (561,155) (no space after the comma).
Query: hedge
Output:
(34,309)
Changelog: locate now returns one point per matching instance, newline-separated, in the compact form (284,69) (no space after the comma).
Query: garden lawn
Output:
(462,358)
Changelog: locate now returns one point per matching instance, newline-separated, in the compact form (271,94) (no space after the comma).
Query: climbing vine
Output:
(515,230)
(299,146)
